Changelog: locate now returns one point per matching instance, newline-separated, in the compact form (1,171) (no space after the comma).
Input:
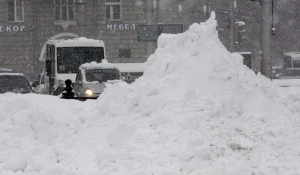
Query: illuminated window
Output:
(64,10)
(113,10)
(15,10)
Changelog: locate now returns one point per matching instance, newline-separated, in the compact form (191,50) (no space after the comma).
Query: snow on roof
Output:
(243,53)
(240,23)
(95,65)
(82,41)
(277,67)
(130,67)
(12,74)
(292,54)
(5,70)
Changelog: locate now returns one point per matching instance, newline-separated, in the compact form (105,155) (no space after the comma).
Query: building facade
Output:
(26,25)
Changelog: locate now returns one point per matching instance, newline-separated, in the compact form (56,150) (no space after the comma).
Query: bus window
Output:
(70,58)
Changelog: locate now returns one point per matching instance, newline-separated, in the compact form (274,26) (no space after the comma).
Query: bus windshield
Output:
(70,58)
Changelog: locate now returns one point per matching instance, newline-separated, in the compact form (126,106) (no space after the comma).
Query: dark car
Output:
(14,82)
(291,73)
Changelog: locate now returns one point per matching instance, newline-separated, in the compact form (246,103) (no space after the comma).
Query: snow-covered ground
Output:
(197,110)
(287,82)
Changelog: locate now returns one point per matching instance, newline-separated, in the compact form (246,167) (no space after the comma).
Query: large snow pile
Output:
(196,111)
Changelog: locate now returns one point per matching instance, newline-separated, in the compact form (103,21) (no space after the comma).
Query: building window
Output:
(113,10)
(64,10)
(124,53)
(15,10)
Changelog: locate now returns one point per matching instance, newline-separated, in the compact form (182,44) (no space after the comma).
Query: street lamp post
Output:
(266,31)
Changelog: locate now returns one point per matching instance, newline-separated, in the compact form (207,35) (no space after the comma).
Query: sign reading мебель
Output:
(120,27)
(11,29)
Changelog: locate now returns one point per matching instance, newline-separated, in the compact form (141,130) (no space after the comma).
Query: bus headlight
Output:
(89,92)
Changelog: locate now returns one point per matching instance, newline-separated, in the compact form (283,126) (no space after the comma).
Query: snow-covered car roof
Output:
(293,54)
(277,67)
(79,42)
(94,65)
(243,53)
(5,70)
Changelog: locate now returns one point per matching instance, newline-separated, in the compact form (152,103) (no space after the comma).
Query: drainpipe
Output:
(35,57)
(95,18)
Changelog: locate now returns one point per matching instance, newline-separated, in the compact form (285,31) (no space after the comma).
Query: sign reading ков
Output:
(11,29)
(120,27)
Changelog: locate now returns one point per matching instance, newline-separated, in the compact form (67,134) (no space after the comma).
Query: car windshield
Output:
(101,75)
(295,72)
(15,84)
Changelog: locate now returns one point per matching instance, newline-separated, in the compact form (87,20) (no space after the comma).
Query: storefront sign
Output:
(120,27)
(12,28)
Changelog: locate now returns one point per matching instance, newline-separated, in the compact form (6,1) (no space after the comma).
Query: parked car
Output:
(91,78)
(14,82)
(291,73)
(289,78)
(131,71)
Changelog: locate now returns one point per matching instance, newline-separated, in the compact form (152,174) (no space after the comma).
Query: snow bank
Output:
(197,110)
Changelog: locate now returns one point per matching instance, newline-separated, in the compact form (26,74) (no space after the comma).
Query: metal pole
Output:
(157,11)
(232,25)
(266,33)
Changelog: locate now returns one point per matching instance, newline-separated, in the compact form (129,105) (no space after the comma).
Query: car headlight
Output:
(88,92)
